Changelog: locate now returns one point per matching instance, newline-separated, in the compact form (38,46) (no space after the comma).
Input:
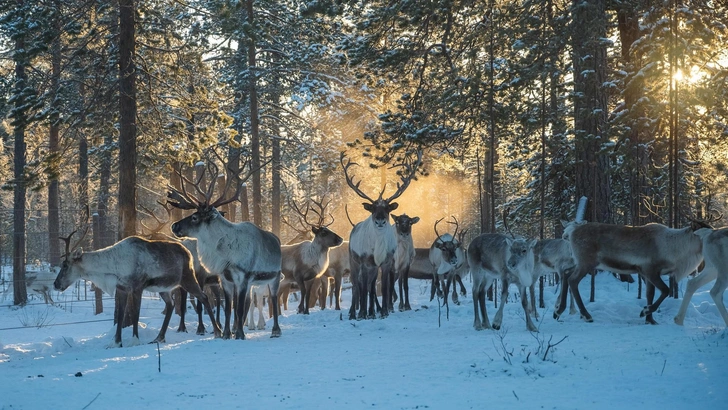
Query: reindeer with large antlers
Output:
(307,261)
(242,252)
(373,242)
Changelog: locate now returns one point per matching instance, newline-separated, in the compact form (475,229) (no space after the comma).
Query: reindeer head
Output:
(203,204)
(70,272)
(403,224)
(452,253)
(521,260)
(380,208)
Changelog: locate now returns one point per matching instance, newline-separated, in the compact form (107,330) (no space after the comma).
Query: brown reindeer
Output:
(651,250)
(306,261)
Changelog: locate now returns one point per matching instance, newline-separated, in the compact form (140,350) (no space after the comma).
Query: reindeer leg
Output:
(524,303)
(241,309)
(189,284)
(273,289)
(119,312)
(182,309)
(372,295)
(261,319)
(136,297)
(463,292)
(721,283)
(228,295)
(498,320)
(656,281)
(200,324)
(405,287)
(337,289)
(169,308)
(705,277)
(302,304)
(573,284)
(477,324)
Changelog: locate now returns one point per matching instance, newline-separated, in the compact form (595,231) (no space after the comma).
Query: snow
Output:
(405,361)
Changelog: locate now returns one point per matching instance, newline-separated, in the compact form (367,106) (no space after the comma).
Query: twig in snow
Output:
(663,367)
(64,339)
(514,393)
(552,345)
(159,359)
(86,406)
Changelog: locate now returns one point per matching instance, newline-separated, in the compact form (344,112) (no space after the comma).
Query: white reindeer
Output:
(131,266)
(650,250)
(715,254)
(495,256)
(41,282)
(372,244)
(244,253)
(257,296)
(403,256)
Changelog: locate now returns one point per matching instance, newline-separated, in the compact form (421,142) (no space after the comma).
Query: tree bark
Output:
(590,107)
(127,122)
(20,293)
(54,253)
(254,119)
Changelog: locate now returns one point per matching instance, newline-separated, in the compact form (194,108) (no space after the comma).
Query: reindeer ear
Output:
(393,206)
(414,220)
(395,217)
(77,253)
(369,207)
(315,230)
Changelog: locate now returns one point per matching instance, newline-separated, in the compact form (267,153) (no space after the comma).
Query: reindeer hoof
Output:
(496,326)
(678,321)
(181,329)
(556,316)
(275,333)
(226,335)
(650,321)
(478,327)
(645,311)
(587,319)
(240,335)
(201,330)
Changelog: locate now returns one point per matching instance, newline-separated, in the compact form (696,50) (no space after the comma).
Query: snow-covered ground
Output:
(57,357)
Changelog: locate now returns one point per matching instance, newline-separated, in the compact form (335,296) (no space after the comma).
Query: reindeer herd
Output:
(250,264)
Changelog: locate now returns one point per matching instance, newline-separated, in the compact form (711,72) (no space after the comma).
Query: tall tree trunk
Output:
(54,256)
(254,118)
(590,106)
(127,122)
(20,293)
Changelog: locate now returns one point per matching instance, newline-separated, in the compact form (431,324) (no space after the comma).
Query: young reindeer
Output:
(403,257)
(650,250)
(245,254)
(372,244)
(495,256)
(447,256)
(129,267)
(306,261)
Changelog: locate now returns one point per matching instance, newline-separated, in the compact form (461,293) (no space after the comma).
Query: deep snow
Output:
(402,362)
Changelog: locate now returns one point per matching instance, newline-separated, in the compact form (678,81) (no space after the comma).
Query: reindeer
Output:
(306,261)
(339,268)
(40,282)
(245,254)
(552,255)
(447,256)
(715,254)
(204,278)
(495,256)
(650,250)
(403,256)
(129,267)
(372,244)
(257,296)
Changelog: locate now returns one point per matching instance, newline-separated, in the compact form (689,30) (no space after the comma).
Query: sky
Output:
(59,357)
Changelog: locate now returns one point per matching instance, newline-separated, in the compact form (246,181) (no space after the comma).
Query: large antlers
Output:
(67,239)
(408,171)
(457,226)
(183,200)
